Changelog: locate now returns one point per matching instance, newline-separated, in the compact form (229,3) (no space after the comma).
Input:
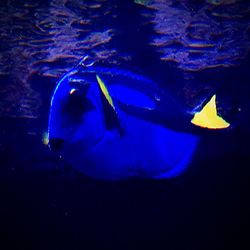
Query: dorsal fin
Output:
(208,117)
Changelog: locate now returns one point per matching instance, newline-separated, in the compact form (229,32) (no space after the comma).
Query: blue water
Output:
(46,204)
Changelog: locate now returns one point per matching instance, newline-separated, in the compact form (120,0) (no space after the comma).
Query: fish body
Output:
(103,121)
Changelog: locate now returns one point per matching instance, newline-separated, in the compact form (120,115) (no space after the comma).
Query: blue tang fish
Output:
(113,124)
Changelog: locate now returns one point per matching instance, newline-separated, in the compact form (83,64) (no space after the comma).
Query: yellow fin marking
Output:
(45,138)
(105,91)
(208,117)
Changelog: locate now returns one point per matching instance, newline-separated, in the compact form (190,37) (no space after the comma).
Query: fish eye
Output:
(72,91)
(75,104)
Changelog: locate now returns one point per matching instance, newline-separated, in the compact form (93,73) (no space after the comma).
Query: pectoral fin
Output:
(208,117)
(110,114)
(105,91)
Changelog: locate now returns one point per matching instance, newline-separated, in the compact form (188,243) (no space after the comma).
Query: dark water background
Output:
(45,203)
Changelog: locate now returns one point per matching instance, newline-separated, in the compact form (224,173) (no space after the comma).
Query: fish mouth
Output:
(56,144)
(61,145)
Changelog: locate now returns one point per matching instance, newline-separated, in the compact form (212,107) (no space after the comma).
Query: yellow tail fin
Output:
(208,117)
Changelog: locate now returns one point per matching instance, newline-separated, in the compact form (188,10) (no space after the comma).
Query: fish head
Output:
(76,118)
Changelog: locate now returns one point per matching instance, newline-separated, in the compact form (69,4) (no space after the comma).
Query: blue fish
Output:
(113,124)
